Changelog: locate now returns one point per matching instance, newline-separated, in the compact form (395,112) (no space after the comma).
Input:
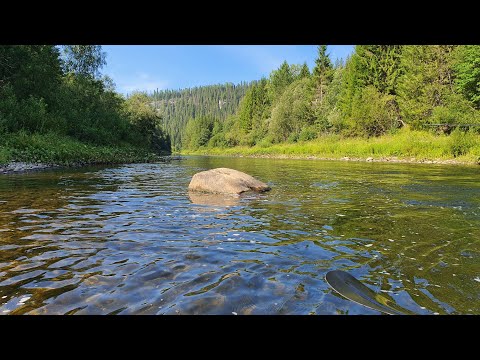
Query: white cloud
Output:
(144,86)
(141,82)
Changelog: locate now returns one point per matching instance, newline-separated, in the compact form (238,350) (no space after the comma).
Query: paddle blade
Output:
(352,289)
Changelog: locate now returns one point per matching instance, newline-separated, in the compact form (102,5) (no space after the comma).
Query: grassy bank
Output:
(65,151)
(405,144)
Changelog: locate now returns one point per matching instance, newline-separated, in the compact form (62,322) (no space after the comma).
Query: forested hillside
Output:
(380,90)
(176,107)
(56,107)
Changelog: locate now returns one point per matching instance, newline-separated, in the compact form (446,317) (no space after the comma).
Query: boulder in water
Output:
(225,181)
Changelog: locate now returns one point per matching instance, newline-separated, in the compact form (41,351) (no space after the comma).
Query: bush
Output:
(443,115)
(336,120)
(308,133)
(63,150)
(267,141)
(247,140)
(29,114)
(217,140)
(292,138)
(458,111)
(5,155)
(461,142)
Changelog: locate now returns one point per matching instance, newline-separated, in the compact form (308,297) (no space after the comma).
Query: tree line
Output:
(46,89)
(377,90)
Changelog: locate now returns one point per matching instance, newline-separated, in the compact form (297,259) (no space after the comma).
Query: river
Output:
(130,239)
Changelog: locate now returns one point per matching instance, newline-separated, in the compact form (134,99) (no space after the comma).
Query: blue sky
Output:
(148,67)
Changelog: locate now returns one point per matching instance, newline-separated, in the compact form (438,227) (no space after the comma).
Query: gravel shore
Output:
(19,167)
(346,158)
(16,167)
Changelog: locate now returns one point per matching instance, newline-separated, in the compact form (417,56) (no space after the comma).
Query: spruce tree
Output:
(322,72)
(279,80)
(304,71)
(379,65)
(427,82)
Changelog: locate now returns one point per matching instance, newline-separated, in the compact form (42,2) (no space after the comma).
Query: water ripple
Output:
(132,240)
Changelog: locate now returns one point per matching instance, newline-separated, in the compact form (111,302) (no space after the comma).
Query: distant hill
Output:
(177,106)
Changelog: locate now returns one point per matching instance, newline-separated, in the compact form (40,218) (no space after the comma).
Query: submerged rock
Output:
(225,181)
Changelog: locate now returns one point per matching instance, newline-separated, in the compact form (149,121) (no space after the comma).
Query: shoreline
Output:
(21,167)
(404,146)
(383,159)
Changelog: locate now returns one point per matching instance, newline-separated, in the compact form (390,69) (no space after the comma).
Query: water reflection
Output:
(199,198)
(132,239)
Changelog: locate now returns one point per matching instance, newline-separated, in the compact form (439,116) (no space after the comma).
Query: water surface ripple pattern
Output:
(131,240)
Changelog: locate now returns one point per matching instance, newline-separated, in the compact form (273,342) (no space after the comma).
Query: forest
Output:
(176,107)
(410,99)
(383,100)
(55,106)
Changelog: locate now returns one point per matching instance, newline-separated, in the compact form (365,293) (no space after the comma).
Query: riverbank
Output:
(19,167)
(22,152)
(404,147)
(345,158)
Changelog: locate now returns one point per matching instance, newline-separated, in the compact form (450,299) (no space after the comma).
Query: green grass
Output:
(405,144)
(62,150)
(5,155)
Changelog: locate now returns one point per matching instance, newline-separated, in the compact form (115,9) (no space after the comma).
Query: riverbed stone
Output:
(225,181)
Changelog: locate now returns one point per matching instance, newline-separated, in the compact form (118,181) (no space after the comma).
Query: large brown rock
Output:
(225,181)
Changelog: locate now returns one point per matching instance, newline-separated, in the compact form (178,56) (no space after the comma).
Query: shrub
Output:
(5,155)
(217,140)
(308,133)
(292,138)
(461,142)
(28,114)
(247,140)
(267,141)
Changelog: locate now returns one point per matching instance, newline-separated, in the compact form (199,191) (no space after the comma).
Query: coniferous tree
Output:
(177,106)
(305,71)
(245,112)
(427,82)
(279,80)
(322,72)
(379,65)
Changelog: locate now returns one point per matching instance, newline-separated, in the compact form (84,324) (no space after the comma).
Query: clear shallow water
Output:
(131,240)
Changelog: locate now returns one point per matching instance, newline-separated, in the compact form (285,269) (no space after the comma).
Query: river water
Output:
(130,239)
